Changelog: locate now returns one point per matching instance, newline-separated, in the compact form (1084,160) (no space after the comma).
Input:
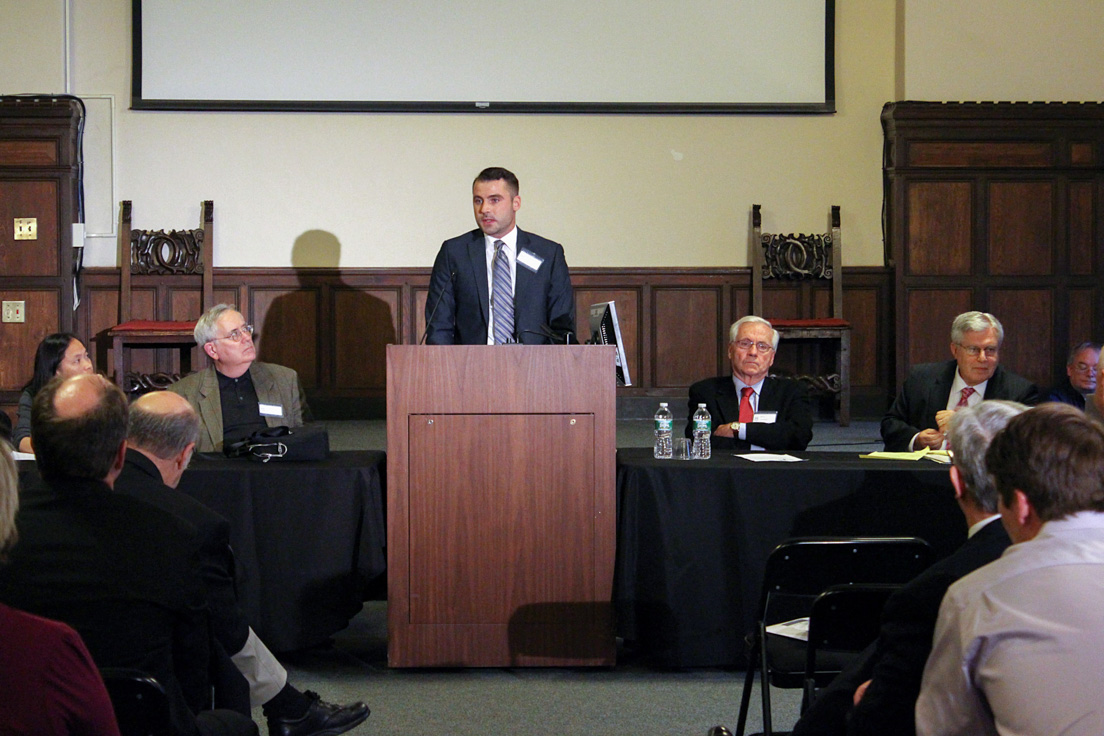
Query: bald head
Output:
(78,426)
(162,424)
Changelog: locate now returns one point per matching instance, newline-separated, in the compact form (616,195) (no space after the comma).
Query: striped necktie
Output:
(502,296)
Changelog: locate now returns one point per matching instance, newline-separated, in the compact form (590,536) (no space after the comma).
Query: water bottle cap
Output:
(663,403)
(701,406)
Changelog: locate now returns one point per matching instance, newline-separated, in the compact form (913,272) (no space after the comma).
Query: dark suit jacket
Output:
(122,573)
(218,567)
(896,660)
(1065,393)
(458,305)
(926,391)
(274,384)
(792,429)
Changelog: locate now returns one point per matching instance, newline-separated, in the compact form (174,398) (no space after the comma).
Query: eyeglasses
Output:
(974,351)
(238,334)
(1085,368)
(762,347)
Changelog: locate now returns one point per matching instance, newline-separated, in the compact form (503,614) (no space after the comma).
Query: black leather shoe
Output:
(321,719)
(719,731)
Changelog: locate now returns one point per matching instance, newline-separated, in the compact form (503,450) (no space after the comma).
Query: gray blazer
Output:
(275,384)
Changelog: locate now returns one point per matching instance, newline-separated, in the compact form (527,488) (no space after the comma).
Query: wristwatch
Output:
(735,427)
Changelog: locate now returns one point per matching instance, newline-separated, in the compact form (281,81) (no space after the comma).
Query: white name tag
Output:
(766,417)
(530,260)
(271,410)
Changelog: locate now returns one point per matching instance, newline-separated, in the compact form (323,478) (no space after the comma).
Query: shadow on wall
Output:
(333,334)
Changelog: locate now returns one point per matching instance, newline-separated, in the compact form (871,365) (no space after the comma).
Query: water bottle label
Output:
(702,425)
(663,425)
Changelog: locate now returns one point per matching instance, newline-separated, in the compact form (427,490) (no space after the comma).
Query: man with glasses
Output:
(237,395)
(933,391)
(750,409)
(1080,378)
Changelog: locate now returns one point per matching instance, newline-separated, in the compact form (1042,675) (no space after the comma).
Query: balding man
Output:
(922,411)
(237,395)
(122,573)
(162,434)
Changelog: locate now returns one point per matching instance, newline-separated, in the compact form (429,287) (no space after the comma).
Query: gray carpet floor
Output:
(626,699)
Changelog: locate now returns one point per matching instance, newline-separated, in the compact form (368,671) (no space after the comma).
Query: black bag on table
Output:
(309,442)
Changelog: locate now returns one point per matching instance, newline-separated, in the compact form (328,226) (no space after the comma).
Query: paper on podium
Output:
(770,457)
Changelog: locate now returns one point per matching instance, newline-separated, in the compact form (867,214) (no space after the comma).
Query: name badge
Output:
(271,410)
(765,417)
(530,260)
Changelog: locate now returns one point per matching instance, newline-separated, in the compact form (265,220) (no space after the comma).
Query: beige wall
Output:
(616,190)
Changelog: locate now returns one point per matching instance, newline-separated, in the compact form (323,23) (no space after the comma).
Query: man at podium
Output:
(498,284)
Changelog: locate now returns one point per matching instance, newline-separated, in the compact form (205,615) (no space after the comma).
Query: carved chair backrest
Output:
(161,253)
(796,257)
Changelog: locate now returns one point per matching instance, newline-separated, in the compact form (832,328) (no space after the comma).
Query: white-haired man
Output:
(750,409)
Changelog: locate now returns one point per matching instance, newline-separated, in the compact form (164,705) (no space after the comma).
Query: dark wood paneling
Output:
(930,314)
(674,323)
(29,153)
(1081,154)
(37,199)
(288,326)
(940,217)
(686,328)
(20,339)
(1082,327)
(1028,313)
(977,154)
(1020,228)
(1081,228)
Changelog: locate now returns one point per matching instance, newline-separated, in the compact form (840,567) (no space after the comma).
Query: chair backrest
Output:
(141,705)
(796,257)
(846,618)
(805,568)
(176,252)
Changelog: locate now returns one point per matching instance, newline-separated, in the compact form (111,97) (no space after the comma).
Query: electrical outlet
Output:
(15,311)
(26,228)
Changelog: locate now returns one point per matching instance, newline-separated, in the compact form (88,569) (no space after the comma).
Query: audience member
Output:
(238,395)
(59,354)
(1018,646)
(877,694)
(498,283)
(749,408)
(932,392)
(48,683)
(1080,378)
(123,573)
(163,428)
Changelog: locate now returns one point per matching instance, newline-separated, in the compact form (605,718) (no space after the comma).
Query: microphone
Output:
(433,312)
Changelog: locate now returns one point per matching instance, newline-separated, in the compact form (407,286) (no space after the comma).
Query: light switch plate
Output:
(15,311)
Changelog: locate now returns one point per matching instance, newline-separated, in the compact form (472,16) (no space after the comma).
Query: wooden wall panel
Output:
(940,216)
(1082,327)
(37,199)
(687,336)
(21,339)
(1081,236)
(289,331)
(979,154)
(366,323)
(1028,319)
(930,313)
(860,308)
(1020,228)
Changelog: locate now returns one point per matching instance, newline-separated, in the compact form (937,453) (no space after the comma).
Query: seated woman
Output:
(59,354)
(49,685)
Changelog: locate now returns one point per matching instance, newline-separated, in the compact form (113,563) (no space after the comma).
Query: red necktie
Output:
(966,394)
(746,412)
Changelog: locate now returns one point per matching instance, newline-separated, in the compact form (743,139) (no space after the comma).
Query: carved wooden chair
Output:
(807,260)
(159,253)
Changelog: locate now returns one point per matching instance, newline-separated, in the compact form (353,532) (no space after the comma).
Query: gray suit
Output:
(274,384)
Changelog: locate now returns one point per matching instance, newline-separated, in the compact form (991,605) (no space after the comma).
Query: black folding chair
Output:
(843,622)
(141,705)
(798,571)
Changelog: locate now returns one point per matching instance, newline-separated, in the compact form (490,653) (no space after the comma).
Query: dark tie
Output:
(965,400)
(502,296)
(746,412)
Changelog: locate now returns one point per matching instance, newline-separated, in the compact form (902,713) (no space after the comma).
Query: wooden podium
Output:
(500,505)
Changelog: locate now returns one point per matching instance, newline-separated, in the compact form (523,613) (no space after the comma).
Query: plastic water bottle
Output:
(703,428)
(663,421)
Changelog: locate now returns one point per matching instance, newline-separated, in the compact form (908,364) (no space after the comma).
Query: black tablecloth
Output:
(309,537)
(693,536)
